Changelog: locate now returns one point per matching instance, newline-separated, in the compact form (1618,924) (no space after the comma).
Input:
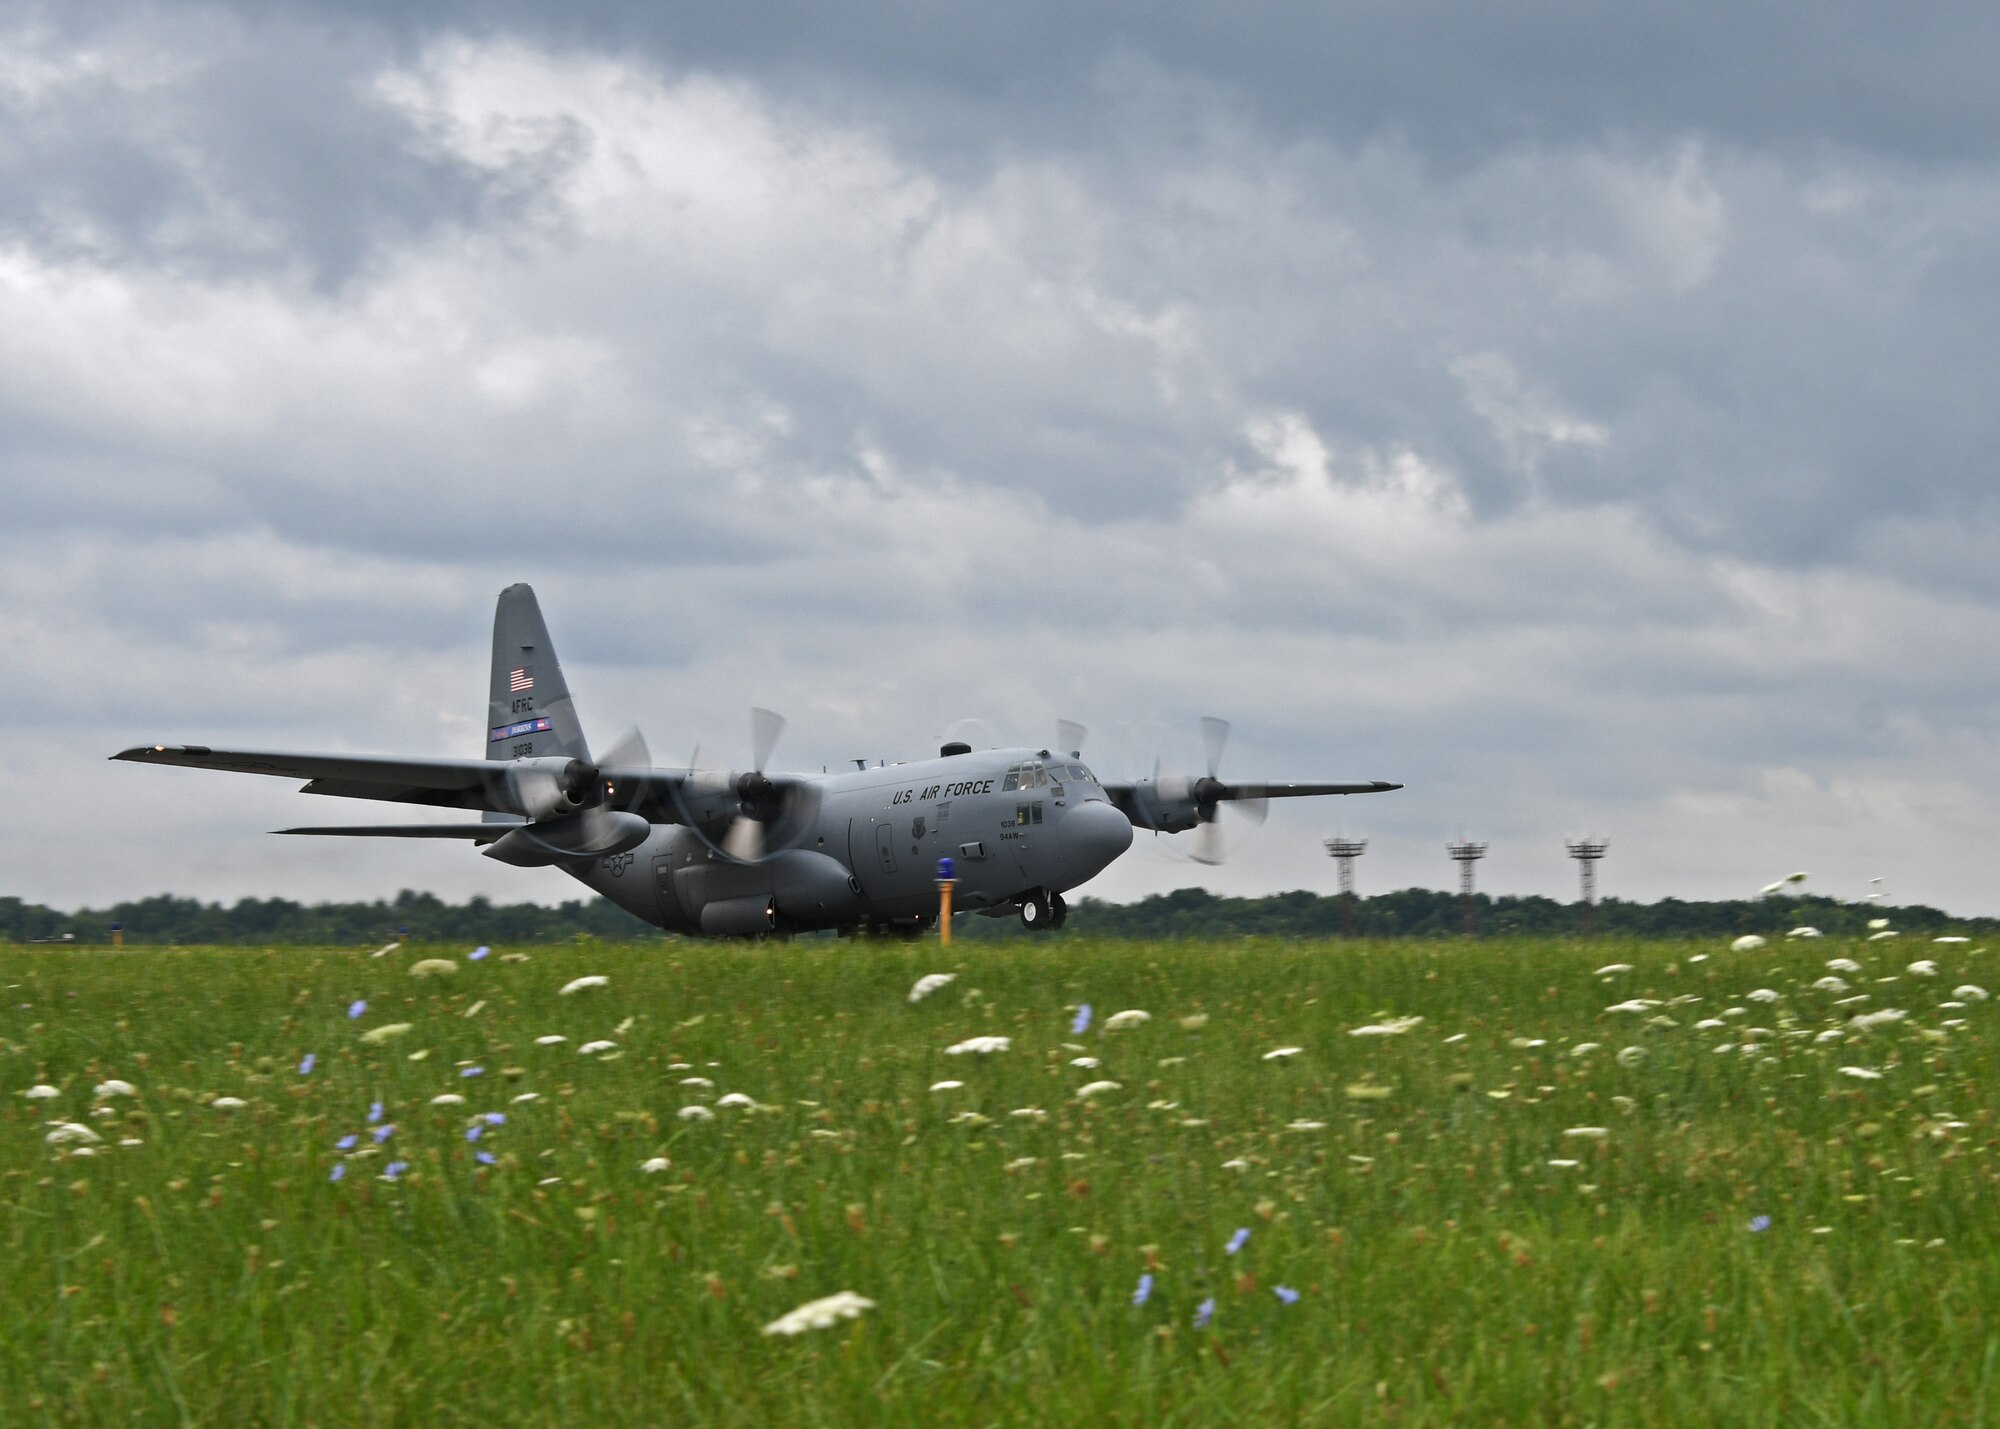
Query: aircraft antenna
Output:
(1465,853)
(1346,850)
(1587,851)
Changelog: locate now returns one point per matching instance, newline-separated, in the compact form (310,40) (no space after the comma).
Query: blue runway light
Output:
(945,869)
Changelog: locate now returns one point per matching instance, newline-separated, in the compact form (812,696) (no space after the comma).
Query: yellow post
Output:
(945,883)
(117,935)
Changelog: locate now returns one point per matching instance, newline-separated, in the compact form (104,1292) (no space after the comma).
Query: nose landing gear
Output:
(1043,912)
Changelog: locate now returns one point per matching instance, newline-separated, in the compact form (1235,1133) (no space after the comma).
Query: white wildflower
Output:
(228,1103)
(1865,1074)
(591,1049)
(114,1088)
(1709,1023)
(1584,1049)
(1882,1017)
(1279,1054)
(1305,1126)
(1832,1034)
(1807,931)
(1631,1056)
(820,1314)
(1022,1163)
(1843,965)
(979,1046)
(1131,1017)
(964,1118)
(1029,1113)
(1194,1022)
(1885,933)
(1091,1089)
(387,1032)
(550,1040)
(433,967)
(1922,967)
(1592,1133)
(1564,1163)
(695,1113)
(528,1097)
(1612,968)
(1830,983)
(1389,1027)
(1236,1163)
(736,1099)
(1874,923)
(40,1091)
(1970,992)
(1950,939)
(1084,1062)
(447,1099)
(580,983)
(67,1132)
(1748,943)
(1763,994)
(930,983)
(946,1086)
(655,1166)
(697,1082)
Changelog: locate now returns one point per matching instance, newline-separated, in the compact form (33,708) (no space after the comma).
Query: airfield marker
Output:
(1465,853)
(1587,851)
(1346,850)
(945,881)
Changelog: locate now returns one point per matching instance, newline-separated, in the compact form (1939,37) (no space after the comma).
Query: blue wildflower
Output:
(382,1133)
(394,1169)
(485,1158)
(374,1113)
(478,953)
(306,1064)
(471,1071)
(1080,1024)
(356,1007)
(496,1118)
(1760,1223)
(1204,1312)
(1286,1294)
(1237,1241)
(1145,1291)
(339,1170)
(473,1133)
(346,1143)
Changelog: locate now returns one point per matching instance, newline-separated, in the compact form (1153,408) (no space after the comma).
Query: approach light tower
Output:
(1587,851)
(1465,853)
(1346,850)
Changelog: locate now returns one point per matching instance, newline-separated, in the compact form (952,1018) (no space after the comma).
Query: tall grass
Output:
(1410,1185)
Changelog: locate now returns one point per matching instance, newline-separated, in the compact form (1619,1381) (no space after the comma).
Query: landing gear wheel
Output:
(1058,911)
(1036,914)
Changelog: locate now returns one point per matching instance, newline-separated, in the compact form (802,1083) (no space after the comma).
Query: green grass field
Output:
(1496,1214)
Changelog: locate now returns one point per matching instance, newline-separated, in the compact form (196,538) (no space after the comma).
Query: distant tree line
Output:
(1185,913)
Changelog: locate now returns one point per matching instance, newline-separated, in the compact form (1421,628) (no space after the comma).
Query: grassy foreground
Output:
(1694,1190)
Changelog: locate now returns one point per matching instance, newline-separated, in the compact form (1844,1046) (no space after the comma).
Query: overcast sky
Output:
(1583,414)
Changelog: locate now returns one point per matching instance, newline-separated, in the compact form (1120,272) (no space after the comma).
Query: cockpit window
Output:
(1012,781)
(1080,774)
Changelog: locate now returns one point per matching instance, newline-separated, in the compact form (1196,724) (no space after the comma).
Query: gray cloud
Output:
(1600,448)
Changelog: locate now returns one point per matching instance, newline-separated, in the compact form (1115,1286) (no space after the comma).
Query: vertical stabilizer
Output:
(529,712)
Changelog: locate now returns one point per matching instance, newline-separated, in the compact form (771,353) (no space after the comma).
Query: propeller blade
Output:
(1214,737)
(765,727)
(745,840)
(629,750)
(1208,843)
(1255,810)
(1070,737)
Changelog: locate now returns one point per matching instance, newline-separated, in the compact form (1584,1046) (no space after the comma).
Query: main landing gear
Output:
(1043,912)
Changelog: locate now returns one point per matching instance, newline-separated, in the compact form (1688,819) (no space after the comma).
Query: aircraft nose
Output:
(1093,834)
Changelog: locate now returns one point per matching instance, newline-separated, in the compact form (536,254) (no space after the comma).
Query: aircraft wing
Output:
(449,783)
(654,794)
(1298,791)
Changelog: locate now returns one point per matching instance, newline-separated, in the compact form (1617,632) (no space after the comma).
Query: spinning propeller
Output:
(761,804)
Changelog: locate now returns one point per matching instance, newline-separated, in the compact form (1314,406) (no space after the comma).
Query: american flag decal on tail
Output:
(519,681)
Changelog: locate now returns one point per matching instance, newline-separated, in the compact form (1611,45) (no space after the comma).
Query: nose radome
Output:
(1093,834)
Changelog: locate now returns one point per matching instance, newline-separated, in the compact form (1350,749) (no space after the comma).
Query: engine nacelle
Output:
(549,787)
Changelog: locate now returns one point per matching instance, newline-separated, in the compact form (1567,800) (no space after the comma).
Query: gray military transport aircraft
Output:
(750,853)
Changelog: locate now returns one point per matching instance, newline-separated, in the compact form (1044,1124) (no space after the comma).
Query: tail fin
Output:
(530,711)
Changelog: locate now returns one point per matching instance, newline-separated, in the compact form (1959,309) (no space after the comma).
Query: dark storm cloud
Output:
(1581,416)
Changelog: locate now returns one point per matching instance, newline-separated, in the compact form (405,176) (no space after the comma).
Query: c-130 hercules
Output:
(750,853)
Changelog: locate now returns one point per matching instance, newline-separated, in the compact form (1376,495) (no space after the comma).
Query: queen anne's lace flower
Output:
(820,1314)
